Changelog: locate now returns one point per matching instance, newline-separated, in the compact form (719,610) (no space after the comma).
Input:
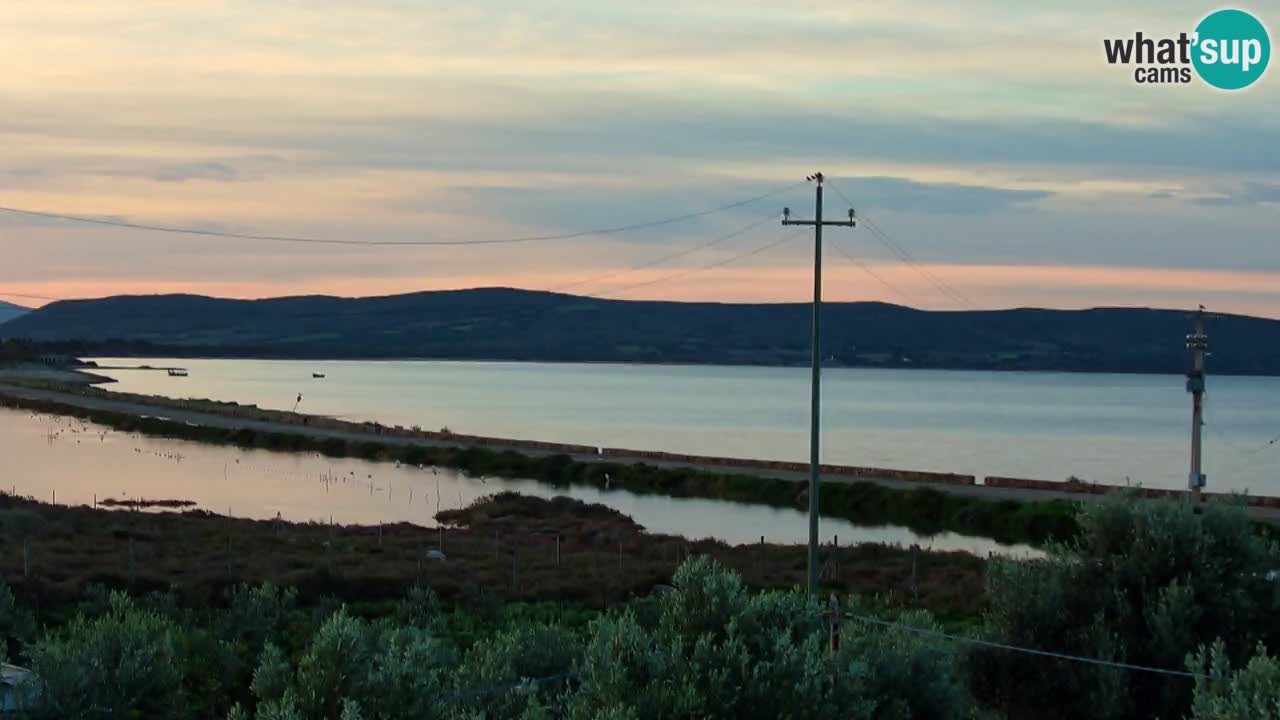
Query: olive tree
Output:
(1251,693)
(123,663)
(716,650)
(1145,582)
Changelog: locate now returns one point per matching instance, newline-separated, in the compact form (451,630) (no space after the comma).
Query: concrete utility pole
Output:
(816,357)
(1197,343)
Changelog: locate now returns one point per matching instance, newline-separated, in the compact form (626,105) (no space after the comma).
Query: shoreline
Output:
(1008,510)
(674,363)
(69,375)
(992,487)
(925,508)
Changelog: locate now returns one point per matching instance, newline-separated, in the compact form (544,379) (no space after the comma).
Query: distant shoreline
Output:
(507,361)
(71,374)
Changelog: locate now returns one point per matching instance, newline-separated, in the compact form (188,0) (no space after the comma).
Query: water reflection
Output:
(76,462)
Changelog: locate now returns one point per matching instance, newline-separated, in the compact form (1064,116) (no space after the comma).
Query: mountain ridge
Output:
(10,311)
(514,324)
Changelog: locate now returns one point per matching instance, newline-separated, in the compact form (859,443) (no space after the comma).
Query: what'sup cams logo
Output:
(1228,50)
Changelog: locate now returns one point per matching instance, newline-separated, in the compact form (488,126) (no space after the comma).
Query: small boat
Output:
(317,375)
(177,372)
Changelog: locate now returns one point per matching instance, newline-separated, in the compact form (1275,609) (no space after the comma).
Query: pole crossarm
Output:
(825,223)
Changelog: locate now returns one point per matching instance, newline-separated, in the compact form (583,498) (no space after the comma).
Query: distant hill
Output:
(506,324)
(9,311)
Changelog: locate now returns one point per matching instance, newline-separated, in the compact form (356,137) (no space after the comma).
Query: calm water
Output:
(64,459)
(1105,428)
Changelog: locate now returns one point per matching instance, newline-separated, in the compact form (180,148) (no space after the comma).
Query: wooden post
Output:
(833,610)
(557,549)
(26,559)
(915,591)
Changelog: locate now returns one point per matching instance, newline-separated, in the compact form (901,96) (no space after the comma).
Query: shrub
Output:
(256,614)
(717,651)
(354,668)
(1251,693)
(1145,582)
(123,663)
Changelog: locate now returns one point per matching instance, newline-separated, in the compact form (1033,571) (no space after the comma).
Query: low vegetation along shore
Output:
(552,609)
(503,548)
(926,510)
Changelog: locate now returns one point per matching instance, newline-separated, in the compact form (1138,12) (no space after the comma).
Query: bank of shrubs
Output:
(1151,583)
(706,648)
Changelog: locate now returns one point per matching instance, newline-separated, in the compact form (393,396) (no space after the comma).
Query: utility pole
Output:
(816,358)
(1197,343)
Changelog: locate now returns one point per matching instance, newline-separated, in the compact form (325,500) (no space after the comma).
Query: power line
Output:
(30,297)
(864,267)
(901,252)
(705,245)
(906,256)
(1029,651)
(328,241)
(691,271)
(715,241)
(670,256)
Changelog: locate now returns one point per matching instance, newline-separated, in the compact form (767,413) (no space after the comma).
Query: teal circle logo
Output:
(1232,49)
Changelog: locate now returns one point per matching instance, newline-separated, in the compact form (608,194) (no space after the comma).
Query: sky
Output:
(989,140)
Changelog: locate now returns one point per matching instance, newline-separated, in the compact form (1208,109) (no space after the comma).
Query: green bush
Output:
(1251,693)
(1145,582)
(717,651)
(124,663)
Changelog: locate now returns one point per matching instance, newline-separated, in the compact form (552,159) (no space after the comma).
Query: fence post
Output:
(26,559)
(833,609)
(915,590)
(557,549)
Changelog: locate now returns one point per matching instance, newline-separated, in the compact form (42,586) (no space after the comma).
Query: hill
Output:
(9,311)
(507,324)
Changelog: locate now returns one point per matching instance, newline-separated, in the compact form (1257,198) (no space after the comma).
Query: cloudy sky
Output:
(989,139)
